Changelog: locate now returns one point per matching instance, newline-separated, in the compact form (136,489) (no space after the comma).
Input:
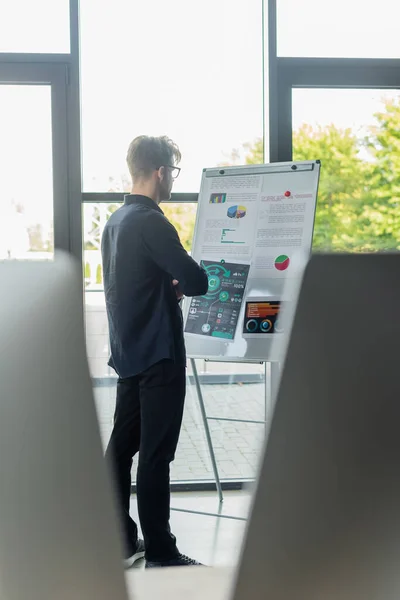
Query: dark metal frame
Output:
(64,77)
(53,75)
(280,76)
(118,197)
(288,73)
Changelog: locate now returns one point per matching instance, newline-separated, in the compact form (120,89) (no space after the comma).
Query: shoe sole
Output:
(129,562)
(167,566)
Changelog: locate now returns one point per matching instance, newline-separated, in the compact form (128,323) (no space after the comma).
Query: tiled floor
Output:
(236,445)
(211,540)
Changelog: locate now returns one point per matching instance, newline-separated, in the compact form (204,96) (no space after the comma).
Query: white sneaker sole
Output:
(129,562)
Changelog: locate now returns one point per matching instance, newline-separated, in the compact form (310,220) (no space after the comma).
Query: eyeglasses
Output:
(174,171)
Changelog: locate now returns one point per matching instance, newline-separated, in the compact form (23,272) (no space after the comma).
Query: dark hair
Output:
(146,154)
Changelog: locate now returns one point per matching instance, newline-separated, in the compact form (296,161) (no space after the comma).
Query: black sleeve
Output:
(164,246)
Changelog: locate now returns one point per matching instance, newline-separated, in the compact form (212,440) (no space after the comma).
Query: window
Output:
(355,133)
(95,216)
(192,71)
(338,28)
(26,182)
(38,26)
(237,444)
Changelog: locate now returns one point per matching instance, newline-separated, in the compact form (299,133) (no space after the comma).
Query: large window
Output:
(189,70)
(355,133)
(237,444)
(340,28)
(26,182)
(95,216)
(192,71)
(40,26)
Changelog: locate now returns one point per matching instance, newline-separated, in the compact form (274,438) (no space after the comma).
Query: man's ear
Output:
(161,173)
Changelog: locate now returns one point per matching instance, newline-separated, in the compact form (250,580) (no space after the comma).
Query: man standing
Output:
(146,273)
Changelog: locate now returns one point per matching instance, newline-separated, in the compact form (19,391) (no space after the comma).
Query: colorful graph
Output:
(216,314)
(217,198)
(231,236)
(282,262)
(236,212)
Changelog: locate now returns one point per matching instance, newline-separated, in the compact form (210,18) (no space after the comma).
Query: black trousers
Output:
(148,418)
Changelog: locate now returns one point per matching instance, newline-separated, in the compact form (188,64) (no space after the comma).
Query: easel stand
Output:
(207,429)
(271,375)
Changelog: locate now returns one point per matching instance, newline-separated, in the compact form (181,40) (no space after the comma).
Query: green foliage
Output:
(99,274)
(87,271)
(96,230)
(255,152)
(383,144)
(341,191)
(359,194)
(359,199)
(183,217)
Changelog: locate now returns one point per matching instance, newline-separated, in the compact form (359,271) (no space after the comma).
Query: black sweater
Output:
(142,254)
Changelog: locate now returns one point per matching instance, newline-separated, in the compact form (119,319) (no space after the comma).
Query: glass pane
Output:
(26,182)
(40,26)
(199,81)
(237,445)
(230,390)
(183,217)
(95,217)
(339,28)
(355,133)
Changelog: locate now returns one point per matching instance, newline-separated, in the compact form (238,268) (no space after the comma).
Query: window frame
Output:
(288,73)
(67,67)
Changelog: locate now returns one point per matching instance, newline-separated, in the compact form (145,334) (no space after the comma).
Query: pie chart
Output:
(282,262)
(236,212)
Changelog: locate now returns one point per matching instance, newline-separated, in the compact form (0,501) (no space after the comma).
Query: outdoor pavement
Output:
(237,445)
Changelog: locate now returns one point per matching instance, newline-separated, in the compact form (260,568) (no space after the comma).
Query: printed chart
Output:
(216,314)
(236,212)
(261,317)
(260,220)
(282,262)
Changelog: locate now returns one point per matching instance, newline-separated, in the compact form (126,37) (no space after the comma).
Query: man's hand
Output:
(179,294)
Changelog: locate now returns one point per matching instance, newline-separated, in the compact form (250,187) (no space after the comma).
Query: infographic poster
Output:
(216,314)
(284,229)
(261,216)
(261,317)
(229,213)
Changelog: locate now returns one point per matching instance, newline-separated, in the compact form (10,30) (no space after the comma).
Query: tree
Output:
(383,144)
(358,200)
(36,244)
(96,215)
(254,152)
(183,217)
(347,217)
(342,189)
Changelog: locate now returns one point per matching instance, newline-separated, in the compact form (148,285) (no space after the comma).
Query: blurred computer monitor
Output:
(58,533)
(325,521)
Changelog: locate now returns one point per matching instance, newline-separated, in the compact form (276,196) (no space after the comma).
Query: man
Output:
(146,273)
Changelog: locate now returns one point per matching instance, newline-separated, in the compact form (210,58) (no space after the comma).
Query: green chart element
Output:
(214,283)
(224,296)
(282,262)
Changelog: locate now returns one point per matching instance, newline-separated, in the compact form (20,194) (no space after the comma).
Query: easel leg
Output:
(275,374)
(267,392)
(271,374)
(207,429)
